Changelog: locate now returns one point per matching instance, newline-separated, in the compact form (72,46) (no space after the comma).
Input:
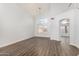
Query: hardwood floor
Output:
(38,46)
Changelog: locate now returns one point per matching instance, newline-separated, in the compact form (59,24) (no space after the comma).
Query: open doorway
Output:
(64,31)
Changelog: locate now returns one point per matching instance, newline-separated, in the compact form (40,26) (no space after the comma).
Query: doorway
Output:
(64,31)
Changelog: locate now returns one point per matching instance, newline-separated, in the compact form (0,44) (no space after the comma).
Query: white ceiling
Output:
(74,5)
(57,8)
(34,8)
(41,8)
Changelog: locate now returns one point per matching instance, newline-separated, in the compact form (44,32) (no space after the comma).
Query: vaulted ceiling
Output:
(36,9)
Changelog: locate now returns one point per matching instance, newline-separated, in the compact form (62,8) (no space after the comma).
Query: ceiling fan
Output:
(73,5)
(70,4)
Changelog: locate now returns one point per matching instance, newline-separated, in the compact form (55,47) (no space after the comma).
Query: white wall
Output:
(15,25)
(55,23)
(75,38)
(73,15)
(53,10)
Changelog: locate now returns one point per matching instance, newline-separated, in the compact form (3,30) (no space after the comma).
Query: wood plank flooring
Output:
(38,46)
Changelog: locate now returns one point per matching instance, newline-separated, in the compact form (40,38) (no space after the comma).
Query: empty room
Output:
(39,29)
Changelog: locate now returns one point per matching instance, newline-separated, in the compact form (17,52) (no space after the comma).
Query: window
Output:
(43,21)
(42,25)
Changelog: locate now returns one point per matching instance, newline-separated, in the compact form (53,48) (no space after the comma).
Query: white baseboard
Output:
(12,42)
